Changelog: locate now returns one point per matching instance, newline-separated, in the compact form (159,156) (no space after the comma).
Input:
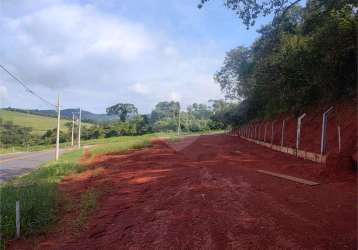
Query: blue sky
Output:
(101,52)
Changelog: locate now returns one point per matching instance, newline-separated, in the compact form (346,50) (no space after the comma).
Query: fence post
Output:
(298,135)
(283,131)
(259,132)
(265,132)
(324,131)
(272,132)
(339,138)
(18,219)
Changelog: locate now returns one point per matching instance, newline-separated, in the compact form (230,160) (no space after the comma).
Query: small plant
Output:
(88,204)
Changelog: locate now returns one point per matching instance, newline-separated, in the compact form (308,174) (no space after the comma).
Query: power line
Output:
(26,87)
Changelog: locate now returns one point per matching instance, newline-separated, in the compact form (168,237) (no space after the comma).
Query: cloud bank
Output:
(96,58)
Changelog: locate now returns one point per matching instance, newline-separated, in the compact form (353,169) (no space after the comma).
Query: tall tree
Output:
(310,56)
(165,110)
(123,110)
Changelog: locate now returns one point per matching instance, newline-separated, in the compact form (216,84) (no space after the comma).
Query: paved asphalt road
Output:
(16,164)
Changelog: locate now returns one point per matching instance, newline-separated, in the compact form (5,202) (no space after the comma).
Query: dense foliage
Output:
(307,56)
(164,118)
(123,110)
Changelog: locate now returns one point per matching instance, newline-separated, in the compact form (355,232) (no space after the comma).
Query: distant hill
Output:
(39,123)
(67,113)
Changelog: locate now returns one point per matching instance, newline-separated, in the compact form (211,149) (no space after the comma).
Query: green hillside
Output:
(39,124)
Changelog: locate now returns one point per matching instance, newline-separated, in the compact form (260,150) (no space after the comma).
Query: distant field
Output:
(39,124)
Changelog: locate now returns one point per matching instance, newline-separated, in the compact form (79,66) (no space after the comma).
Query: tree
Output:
(309,57)
(123,110)
(249,10)
(235,75)
(199,111)
(165,110)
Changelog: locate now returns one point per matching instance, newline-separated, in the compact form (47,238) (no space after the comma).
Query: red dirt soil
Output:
(207,195)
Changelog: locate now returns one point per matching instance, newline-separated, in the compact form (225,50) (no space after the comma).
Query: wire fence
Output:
(312,135)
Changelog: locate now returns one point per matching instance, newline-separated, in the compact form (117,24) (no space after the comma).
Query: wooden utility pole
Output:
(179,122)
(79,129)
(73,129)
(58,129)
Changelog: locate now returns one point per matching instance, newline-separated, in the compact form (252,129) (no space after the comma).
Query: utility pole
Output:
(73,128)
(179,122)
(58,129)
(79,129)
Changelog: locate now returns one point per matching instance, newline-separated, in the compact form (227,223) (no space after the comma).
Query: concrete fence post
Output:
(259,133)
(298,134)
(265,132)
(339,137)
(283,131)
(324,131)
(272,132)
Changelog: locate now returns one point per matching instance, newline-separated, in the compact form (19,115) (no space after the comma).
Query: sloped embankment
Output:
(343,114)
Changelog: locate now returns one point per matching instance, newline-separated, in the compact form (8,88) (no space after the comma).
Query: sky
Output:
(101,52)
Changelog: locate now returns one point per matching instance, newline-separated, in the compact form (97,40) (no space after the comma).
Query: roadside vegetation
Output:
(38,124)
(28,132)
(37,193)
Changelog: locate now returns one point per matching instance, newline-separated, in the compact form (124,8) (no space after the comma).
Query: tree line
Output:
(163,118)
(306,56)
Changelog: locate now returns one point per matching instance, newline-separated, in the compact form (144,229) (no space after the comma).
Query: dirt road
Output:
(206,194)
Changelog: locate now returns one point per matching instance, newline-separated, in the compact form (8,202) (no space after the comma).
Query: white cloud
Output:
(74,48)
(139,88)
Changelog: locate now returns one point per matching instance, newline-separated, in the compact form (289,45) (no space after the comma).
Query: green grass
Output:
(17,149)
(37,193)
(123,143)
(87,205)
(39,124)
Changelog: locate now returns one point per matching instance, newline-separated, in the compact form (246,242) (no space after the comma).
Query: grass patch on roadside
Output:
(87,205)
(122,146)
(20,149)
(37,193)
